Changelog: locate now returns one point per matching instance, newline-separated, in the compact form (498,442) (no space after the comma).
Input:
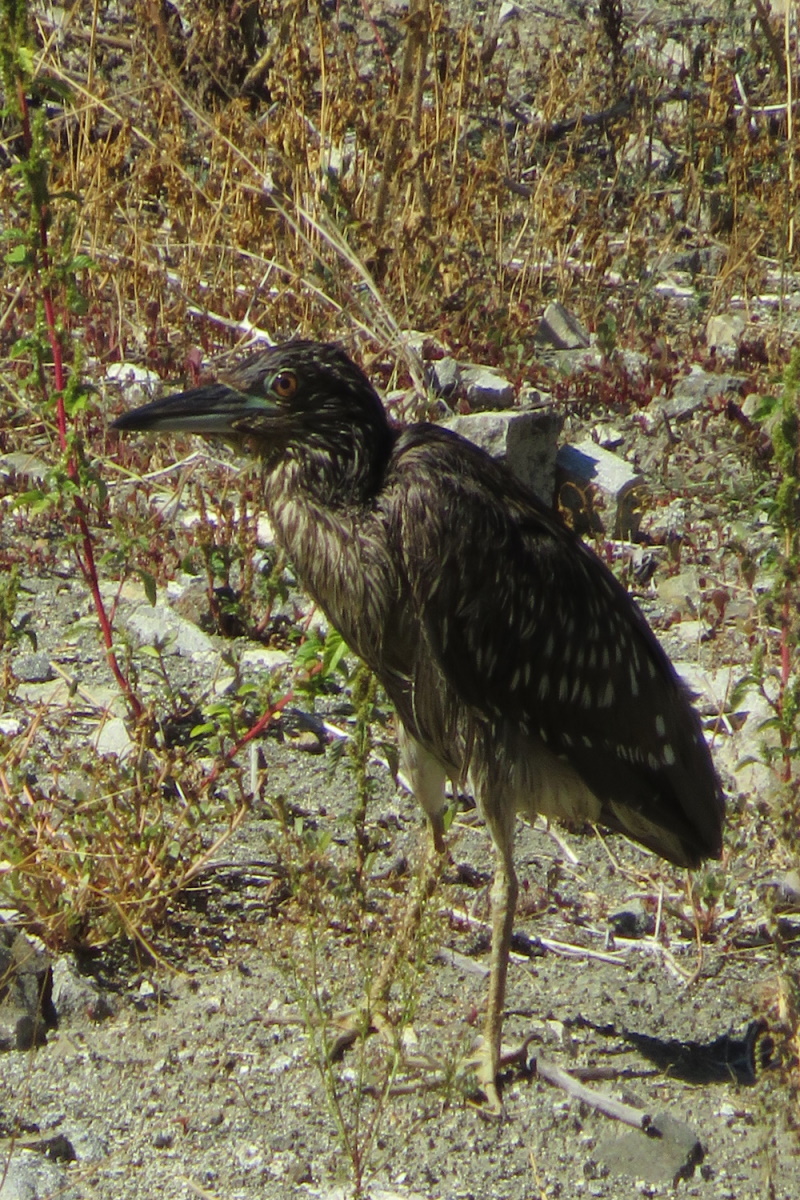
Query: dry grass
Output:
(355,190)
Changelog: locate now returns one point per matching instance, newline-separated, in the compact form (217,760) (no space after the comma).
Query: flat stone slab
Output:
(666,1153)
(599,488)
(526,441)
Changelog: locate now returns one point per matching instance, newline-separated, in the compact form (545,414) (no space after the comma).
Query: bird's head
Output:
(302,398)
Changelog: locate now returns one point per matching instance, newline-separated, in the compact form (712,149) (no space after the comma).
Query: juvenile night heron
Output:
(514,658)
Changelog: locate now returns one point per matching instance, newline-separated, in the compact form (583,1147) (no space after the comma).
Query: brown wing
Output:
(536,635)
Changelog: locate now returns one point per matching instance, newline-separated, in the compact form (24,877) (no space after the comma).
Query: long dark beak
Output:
(213,409)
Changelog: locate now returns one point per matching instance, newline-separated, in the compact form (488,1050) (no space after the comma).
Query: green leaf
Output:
(18,256)
(335,650)
(149,585)
(26,61)
(75,404)
(37,501)
(201,730)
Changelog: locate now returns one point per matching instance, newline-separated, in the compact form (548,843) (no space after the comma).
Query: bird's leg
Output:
(504,903)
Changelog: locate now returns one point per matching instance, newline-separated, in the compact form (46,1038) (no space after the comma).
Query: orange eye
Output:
(285,384)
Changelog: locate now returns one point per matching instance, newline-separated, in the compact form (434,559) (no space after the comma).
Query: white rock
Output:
(599,487)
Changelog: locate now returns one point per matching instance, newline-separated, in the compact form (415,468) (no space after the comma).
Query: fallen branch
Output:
(607,1105)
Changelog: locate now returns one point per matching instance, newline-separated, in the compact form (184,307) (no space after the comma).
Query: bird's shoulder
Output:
(434,475)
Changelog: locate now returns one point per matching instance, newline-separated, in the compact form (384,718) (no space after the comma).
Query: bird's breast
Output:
(343,562)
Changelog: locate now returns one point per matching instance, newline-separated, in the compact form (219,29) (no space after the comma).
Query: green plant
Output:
(42,255)
(107,848)
(775,669)
(11,629)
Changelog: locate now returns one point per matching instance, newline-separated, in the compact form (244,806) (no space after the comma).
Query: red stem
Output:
(86,561)
(254,730)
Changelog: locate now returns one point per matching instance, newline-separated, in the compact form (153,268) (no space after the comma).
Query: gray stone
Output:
(138,384)
(751,404)
(32,668)
(632,920)
(680,593)
(571,362)
(262,658)
(29,1175)
(634,362)
(599,488)
(10,725)
(22,463)
(526,441)
(666,1153)
(444,375)
(695,390)
(533,397)
(113,738)
(159,625)
(77,995)
(25,1007)
(486,389)
(561,330)
(724,331)
(648,153)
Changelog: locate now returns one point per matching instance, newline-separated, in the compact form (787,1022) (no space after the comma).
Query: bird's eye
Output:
(285,384)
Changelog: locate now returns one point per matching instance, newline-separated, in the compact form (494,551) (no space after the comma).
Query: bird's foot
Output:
(489,1065)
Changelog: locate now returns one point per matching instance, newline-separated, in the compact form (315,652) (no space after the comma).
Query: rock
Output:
(32,668)
(265,534)
(634,362)
(560,330)
(138,384)
(673,289)
(724,331)
(26,1009)
(485,389)
(28,1175)
(113,738)
(751,404)
(666,523)
(571,362)
(632,920)
(24,464)
(56,692)
(599,488)
(530,397)
(680,593)
(76,994)
(668,1154)
(650,154)
(786,889)
(443,376)
(160,625)
(526,441)
(262,658)
(695,390)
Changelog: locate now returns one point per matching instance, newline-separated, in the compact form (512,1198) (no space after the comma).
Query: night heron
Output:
(514,658)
